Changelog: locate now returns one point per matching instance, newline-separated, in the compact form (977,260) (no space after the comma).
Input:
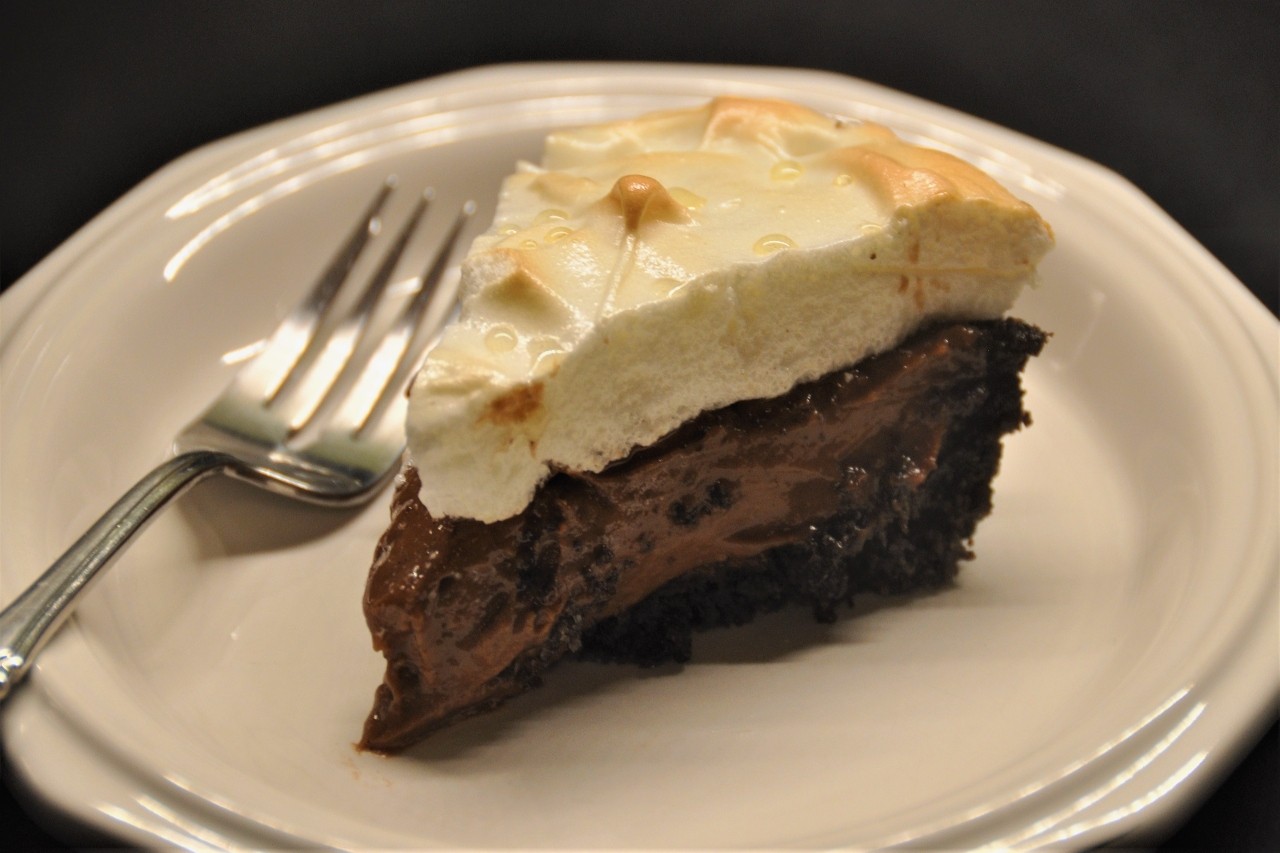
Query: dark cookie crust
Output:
(867,479)
(904,540)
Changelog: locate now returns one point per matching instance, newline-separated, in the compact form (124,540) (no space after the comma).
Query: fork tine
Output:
(384,373)
(242,434)
(272,369)
(331,367)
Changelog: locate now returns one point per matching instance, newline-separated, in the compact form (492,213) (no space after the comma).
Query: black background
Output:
(1178,97)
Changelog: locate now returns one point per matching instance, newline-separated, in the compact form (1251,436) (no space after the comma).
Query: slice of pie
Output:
(709,362)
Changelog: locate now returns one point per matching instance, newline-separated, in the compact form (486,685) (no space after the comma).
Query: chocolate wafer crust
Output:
(871,478)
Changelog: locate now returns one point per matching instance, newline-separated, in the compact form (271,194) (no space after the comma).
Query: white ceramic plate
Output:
(1097,665)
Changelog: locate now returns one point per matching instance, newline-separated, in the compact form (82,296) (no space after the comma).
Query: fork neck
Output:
(27,623)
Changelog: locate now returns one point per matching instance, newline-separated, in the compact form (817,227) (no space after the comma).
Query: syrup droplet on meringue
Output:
(771,243)
(557,234)
(786,170)
(551,214)
(500,339)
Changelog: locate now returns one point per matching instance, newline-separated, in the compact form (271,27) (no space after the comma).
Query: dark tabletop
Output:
(1178,97)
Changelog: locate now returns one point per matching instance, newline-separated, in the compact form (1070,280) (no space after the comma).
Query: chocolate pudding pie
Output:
(709,363)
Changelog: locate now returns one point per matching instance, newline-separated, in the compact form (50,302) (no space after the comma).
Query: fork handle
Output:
(34,616)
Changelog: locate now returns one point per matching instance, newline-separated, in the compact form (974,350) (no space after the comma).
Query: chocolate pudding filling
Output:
(871,478)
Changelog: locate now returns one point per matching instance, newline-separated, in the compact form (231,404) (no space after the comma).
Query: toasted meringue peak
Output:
(640,199)
(654,268)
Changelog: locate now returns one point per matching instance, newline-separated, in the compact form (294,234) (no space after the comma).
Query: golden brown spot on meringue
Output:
(782,128)
(522,297)
(902,174)
(516,406)
(640,199)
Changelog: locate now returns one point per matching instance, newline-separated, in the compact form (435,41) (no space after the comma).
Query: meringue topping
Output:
(651,269)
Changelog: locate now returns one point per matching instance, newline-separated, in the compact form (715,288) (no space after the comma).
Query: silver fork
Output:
(297,420)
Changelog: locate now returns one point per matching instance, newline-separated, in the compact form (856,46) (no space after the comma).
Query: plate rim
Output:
(26,294)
